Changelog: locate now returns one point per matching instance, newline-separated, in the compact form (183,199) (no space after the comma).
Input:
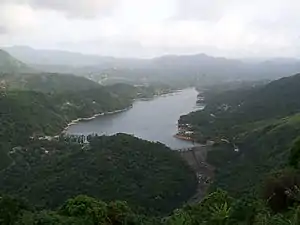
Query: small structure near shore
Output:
(185,132)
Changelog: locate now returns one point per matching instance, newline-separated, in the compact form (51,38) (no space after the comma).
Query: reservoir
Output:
(153,120)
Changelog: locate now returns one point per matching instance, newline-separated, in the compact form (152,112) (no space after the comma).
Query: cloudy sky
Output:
(146,28)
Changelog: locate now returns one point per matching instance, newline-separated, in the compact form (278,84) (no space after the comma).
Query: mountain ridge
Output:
(9,64)
(208,69)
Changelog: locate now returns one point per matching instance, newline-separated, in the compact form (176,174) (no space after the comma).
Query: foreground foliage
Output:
(216,209)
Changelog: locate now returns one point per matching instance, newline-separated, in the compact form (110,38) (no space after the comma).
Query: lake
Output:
(153,120)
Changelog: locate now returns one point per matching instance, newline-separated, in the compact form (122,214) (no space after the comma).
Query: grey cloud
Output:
(72,8)
(82,8)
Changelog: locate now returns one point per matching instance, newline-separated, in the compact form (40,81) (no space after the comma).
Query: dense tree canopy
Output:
(145,174)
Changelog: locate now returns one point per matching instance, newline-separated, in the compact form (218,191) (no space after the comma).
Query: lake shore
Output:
(73,122)
(166,94)
(154,120)
(183,137)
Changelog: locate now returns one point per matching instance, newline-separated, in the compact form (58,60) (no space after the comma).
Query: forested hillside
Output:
(24,114)
(147,175)
(260,123)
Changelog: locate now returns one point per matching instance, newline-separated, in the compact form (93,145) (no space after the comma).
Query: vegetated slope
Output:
(29,113)
(236,108)
(9,64)
(262,121)
(275,99)
(262,149)
(25,113)
(145,174)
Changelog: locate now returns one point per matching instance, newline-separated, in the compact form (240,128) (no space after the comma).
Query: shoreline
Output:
(158,95)
(184,138)
(74,122)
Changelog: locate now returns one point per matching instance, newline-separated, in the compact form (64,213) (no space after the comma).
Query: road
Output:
(196,158)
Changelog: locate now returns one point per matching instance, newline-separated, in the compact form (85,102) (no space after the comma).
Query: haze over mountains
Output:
(176,67)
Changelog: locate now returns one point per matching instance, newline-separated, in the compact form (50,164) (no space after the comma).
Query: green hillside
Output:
(240,108)
(263,148)
(261,121)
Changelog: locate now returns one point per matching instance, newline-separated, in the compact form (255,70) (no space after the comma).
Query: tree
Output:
(10,209)
(281,189)
(294,157)
(94,212)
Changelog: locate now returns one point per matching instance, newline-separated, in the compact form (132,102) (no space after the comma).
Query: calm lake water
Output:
(153,120)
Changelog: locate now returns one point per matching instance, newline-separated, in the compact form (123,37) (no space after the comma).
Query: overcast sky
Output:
(146,28)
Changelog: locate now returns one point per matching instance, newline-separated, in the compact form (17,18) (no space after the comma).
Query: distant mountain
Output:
(200,68)
(9,64)
(54,57)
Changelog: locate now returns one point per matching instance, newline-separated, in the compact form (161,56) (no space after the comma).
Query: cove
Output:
(153,120)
